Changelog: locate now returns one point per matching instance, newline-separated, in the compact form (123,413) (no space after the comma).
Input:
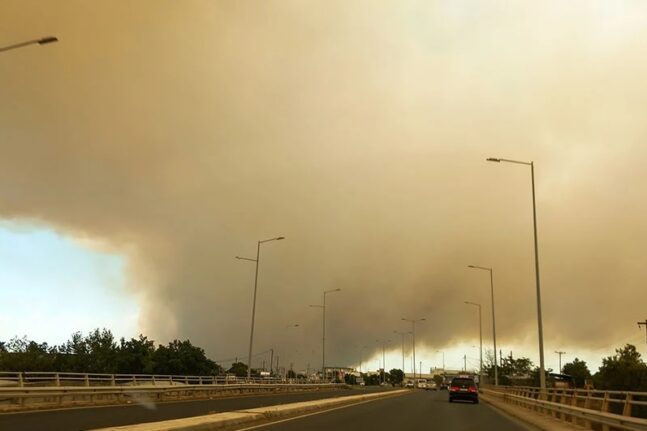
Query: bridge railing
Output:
(44,378)
(596,409)
(18,398)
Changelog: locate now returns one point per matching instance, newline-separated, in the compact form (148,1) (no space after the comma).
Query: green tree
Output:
(438,379)
(238,369)
(396,376)
(102,351)
(371,379)
(623,371)
(578,370)
(136,356)
(21,354)
(183,358)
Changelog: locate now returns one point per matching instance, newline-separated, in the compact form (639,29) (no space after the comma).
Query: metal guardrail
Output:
(605,410)
(35,379)
(20,398)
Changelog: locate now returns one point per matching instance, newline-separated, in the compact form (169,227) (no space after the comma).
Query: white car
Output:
(421,384)
(409,384)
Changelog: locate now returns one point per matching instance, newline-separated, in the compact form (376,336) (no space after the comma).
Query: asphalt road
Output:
(417,411)
(98,417)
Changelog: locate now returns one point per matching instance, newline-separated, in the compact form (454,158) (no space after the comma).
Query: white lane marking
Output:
(253,427)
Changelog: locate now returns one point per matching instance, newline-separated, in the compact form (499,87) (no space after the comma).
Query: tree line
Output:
(625,370)
(100,352)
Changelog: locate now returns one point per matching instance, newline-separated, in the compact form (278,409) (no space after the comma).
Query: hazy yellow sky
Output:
(179,133)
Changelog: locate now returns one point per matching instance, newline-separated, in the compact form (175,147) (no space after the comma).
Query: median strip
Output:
(222,420)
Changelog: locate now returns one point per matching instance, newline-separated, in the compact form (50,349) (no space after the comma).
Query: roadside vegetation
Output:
(625,370)
(99,352)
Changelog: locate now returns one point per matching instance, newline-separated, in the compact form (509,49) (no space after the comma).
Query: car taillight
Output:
(472,389)
(454,388)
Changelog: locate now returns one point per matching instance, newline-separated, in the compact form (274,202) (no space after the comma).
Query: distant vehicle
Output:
(432,385)
(360,381)
(463,387)
(446,381)
(422,384)
(409,384)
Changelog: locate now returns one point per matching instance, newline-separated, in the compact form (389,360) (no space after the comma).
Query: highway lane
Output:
(416,411)
(97,417)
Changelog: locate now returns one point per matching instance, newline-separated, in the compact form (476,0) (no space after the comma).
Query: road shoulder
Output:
(251,416)
(529,418)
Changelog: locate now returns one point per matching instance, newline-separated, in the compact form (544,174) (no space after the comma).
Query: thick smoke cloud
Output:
(179,133)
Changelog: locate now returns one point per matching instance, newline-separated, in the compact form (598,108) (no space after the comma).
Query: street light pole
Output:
(287,327)
(323,345)
(540,325)
(560,360)
(438,351)
(383,358)
(413,331)
(402,334)
(480,339)
(496,368)
(41,41)
(251,334)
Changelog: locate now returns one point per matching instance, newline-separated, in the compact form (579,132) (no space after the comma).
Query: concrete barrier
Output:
(222,420)
(21,398)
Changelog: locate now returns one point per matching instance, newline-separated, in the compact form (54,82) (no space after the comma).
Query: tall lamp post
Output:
(251,334)
(480,339)
(287,328)
(402,334)
(560,359)
(540,325)
(496,368)
(323,340)
(361,349)
(413,331)
(383,357)
(41,41)
(438,351)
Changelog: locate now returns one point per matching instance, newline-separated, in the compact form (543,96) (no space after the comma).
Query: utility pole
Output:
(645,325)
(271,360)
(465,363)
(560,360)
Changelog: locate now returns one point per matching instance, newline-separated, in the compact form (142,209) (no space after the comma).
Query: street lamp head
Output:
(46,40)
(280,238)
(493,159)
(471,266)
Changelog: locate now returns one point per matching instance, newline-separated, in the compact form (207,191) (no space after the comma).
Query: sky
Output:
(159,139)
